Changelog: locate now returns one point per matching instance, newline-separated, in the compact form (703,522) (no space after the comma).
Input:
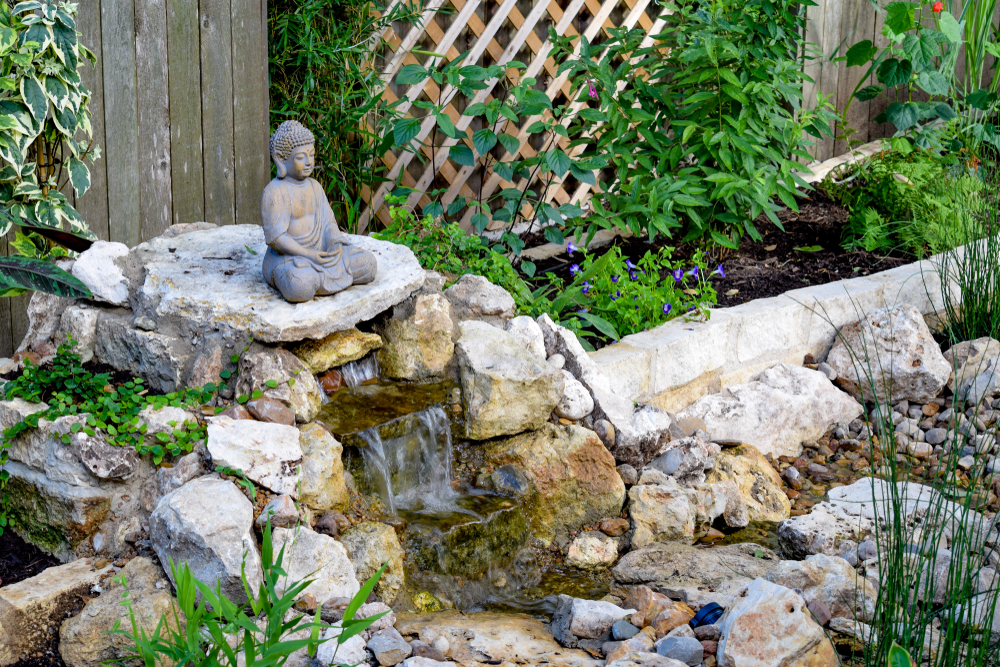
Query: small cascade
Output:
(357,373)
(413,470)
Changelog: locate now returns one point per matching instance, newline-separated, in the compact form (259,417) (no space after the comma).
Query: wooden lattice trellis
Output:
(492,31)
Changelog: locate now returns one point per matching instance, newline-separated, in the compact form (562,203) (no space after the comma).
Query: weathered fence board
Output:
(179,104)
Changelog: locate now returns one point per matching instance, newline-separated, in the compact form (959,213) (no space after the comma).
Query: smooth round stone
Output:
(623,630)
(686,649)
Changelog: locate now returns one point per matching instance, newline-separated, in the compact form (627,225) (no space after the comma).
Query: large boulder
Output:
(188,467)
(370,545)
(320,558)
(45,313)
(58,500)
(505,390)
(335,350)
(822,531)
(769,624)
(266,453)
(31,609)
(208,524)
(100,268)
(295,385)
(572,477)
(497,638)
(692,575)
(778,410)
(891,356)
(758,483)
(639,433)
(831,581)
(476,298)
(323,486)
(575,619)
(663,511)
(85,640)
(968,360)
(418,339)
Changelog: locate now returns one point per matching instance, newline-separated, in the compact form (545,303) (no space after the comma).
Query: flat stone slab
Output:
(213,276)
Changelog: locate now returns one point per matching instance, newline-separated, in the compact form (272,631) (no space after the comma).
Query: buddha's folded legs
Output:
(361,264)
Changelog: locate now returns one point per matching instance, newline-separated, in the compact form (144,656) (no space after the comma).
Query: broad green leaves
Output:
(893,72)
(899,16)
(39,275)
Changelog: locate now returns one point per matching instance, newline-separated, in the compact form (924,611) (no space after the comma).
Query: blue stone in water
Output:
(623,630)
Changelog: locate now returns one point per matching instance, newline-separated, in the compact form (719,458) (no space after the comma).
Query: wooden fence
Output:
(180,110)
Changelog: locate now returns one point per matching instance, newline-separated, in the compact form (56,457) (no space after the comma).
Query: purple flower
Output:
(693,272)
(583,310)
(633,275)
(616,295)
(586,287)
(593,90)
(719,270)
(570,248)
(678,274)
(614,279)
(630,265)
(575,269)
(666,308)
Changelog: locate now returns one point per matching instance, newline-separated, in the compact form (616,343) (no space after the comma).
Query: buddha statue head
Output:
(293,150)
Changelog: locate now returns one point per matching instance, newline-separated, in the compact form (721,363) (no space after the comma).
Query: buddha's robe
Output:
(300,210)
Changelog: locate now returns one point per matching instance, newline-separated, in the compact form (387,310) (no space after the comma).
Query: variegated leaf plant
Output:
(46,140)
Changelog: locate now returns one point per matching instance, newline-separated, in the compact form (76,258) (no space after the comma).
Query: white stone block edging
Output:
(678,362)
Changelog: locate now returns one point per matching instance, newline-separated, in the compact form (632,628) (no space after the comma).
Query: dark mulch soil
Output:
(19,561)
(773,265)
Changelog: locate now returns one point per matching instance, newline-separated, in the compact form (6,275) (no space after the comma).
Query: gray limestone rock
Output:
(262,364)
(476,298)
(100,268)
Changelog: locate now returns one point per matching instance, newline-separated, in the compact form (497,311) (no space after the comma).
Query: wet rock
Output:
(324,560)
(335,350)
(262,364)
(968,360)
(486,637)
(686,460)
(30,607)
(332,523)
(758,483)
(527,331)
(639,433)
(330,382)
(268,454)
(778,410)
(896,346)
(323,486)
(418,339)
(100,269)
(695,576)
(280,511)
(505,390)
(476,298)
(683,649)
(575,619)
(510,481)
(576,402)
(101,459)
(769,624)
(84,640)
(208,523)
(371,544)
(614,527)
(592,550)
(622,630)
(389,647)
(573,477)
(272,411)
(830,581)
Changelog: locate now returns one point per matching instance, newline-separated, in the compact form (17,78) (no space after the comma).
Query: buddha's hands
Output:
(330,257)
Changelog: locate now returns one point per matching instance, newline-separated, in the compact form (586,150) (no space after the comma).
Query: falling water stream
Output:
(357,373)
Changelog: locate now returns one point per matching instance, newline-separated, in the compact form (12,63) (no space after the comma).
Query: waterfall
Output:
(356,373)
(413,471)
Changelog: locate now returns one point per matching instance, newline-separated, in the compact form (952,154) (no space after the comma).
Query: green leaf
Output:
(41,276)
(981,99)
(462,154)
(583,175)
(809,248)
(79,176)
(528,268)
(553,235)
(861,53)
(484,140)
(951,28)
(894,72)
(21,115)
(600,324)
(29,6)
(558,161)
(271,383)
(411,74)
(34,95)
(944,111)
(899,657)
(933,83)
(64,44)
(405,130)
(444,121)
(724,240)
(868,93)
(509,142)
(593,115)
(66,120)
(899,16)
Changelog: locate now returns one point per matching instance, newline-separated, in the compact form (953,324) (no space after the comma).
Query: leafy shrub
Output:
(216,632)
(702,127)
(322,56)
(45,143)
(908,199)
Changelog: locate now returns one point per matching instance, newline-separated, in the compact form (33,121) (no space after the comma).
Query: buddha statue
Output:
(307,254)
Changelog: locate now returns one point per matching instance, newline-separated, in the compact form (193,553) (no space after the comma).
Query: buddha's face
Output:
(300,165)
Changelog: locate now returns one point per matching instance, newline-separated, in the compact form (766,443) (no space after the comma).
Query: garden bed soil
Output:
(807,252)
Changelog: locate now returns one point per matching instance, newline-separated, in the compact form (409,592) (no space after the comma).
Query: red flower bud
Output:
(937,7)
